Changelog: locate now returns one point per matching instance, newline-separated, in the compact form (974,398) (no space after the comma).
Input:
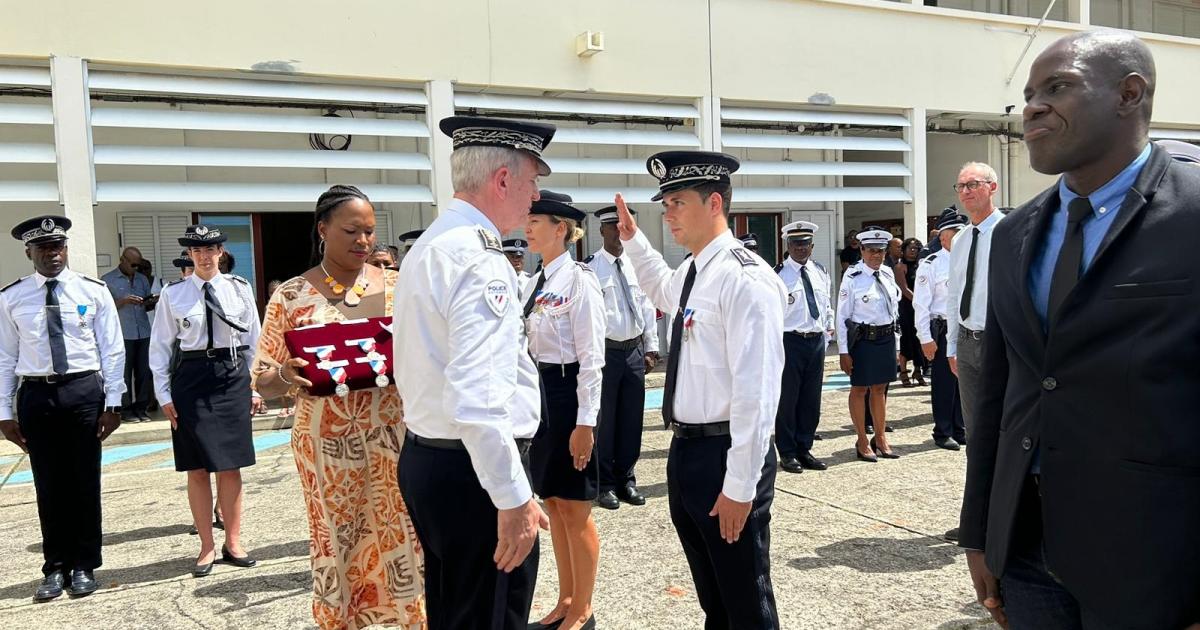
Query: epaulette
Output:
(91,279)
(175,281)
(856,273)
(743,257)
(12,284)
(778,267)
(821,267)
(238,278)
(930,257)
(583,265)
(590,258)
(490,241)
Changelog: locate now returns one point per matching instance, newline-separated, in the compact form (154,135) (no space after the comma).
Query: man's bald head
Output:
(1114,55)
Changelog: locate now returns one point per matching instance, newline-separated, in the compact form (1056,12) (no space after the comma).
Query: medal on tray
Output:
(378,365)
(322,352)
(366,344)
(337,371)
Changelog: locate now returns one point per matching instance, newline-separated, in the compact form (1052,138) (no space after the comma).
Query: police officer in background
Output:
(807,328)
(630,350)
(749,241)
(61,337)
(929,305)
(720,396)
(470,388)
(514,251)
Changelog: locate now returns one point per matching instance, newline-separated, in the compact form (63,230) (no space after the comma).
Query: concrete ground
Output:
(856,546)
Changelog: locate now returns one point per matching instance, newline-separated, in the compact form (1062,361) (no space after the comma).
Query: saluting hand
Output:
(12,433)
(172,415)
(732,517)
(626,226)
(109,421)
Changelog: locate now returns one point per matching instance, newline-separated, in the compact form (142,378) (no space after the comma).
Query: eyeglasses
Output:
(974,184)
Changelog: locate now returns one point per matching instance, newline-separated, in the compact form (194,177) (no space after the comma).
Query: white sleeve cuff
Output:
(740,490)
(510,495)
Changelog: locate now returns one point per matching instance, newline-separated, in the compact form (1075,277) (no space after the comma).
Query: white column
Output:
(73,146)
(440,94)
(915,211)
(1079,11)
(708,126)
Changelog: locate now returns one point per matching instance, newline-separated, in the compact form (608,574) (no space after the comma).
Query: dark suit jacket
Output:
(1111,396)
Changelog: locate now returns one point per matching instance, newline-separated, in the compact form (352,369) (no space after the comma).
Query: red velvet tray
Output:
(344,356)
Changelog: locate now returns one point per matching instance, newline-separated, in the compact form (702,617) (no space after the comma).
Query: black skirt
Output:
(212,398)
(874,361)
(552,468)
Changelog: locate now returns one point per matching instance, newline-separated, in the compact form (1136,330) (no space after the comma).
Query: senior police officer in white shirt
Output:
(722,388)
(470,388)
(630,350)
(807,327)
(930,305)
(60,338)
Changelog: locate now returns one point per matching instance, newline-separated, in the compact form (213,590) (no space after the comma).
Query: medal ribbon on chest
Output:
(689,318)
(82,310)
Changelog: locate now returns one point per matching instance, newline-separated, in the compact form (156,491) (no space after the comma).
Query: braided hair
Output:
(326,204)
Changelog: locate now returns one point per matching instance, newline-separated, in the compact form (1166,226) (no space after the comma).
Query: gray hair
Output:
(988,171)
(470,167)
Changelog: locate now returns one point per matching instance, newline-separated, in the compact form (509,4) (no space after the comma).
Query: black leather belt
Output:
(804,335)
(871,332)
(963,331)
(454,445)
(55,379)
(688,431)
(556,366)
(212,353)
(628,344)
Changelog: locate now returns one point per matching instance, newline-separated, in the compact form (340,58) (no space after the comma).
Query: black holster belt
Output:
(804,335)
(212,353)
(871,332)
(55,379)
(454,445)
(628,344)
(688,431)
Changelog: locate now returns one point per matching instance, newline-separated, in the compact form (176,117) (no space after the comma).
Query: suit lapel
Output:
(1135,201)
(1033,237)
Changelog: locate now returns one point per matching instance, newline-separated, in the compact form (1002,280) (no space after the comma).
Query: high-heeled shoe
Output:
(244,562)
(217,522)
(878,451)
(865,458)
(919,378)
(203,570)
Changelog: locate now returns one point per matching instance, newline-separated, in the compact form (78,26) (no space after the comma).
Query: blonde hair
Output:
(574,232)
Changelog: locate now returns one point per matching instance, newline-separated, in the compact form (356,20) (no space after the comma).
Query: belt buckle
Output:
(52,379)
(210,353)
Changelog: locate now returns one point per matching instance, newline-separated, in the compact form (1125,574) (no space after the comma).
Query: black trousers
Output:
(800,397)
(733,581)
(59,422)
(139,384)
(619,430)
(947,406)
(456,524)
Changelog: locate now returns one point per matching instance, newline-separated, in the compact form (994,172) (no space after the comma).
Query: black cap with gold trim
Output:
(677,170)
(43,229)
(479,131)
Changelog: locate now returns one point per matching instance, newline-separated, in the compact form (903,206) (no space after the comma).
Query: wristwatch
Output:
(116,410)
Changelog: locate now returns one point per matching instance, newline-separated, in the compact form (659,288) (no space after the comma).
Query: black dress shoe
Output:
(817,436)
(961,439)
(202,570)
(553,625)
(951,535)
(791,464)
(947,443)
(888,429)
(51,587)
(608,500)
(631,496)
(244,562)
(82,583)
(879,452)
(590,624)
(866,458)
(812,463)
(217,522)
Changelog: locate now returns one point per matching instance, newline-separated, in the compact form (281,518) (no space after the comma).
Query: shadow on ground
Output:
(881,555)
(237,592)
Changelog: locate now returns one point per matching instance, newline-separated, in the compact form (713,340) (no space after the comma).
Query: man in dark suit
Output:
(1083,480)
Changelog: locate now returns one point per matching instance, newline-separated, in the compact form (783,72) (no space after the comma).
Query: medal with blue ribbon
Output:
(367,344)
(337,371)
(378,365)
(689,318)
(322,352)
(82,310)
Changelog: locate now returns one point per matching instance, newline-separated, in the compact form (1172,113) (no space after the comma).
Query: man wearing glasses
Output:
(967,297)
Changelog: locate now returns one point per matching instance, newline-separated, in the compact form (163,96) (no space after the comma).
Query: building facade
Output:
(136,118)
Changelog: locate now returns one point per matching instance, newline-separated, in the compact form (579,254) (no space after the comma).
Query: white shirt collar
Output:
(556,264)
(609,257)
(472,214)
(990,222)
(196,280)
(63,277)
(722,241)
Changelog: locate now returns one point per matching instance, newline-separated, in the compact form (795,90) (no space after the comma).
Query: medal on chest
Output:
(689,318)
(82,310)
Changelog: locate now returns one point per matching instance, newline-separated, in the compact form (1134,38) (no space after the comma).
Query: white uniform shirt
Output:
(180,315)
(731,364)
(621,324)
(959,251)
(796,317)
(862,300)
(929,296)
(566,325)
(522,282)
(91,334)
(462,365)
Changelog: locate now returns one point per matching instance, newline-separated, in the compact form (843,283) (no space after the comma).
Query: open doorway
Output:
(285,243)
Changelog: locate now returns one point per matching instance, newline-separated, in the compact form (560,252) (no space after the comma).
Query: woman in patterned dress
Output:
(366,560)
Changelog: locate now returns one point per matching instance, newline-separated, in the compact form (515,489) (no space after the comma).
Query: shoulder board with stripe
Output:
(930,257)
(856,273)
(91,279)
(584,267)
(778,267)
(490,241)
(743,257)
(590,258)
(12,284)
(238,278)
(821,267)
(175,281)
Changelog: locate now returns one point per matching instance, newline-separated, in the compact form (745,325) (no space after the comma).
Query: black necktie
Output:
(964,305)
(1070,257)
(668,408)
(808,294)
(533,294)
(887,295)
(628,293)
(54,326)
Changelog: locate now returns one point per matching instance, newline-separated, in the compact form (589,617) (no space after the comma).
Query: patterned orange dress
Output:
(366,561)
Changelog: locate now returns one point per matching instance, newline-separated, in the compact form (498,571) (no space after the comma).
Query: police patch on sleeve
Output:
(496,294)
